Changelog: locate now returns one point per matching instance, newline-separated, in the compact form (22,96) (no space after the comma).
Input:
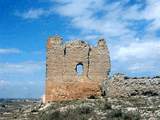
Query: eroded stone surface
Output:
(63,82)
(122,86)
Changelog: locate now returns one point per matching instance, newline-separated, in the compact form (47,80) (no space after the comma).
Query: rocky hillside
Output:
(131,108)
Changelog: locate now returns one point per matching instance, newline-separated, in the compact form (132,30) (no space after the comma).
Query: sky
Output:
(131,29)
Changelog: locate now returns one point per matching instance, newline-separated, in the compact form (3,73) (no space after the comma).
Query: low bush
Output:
(107,106)
(79,113)
(120,115)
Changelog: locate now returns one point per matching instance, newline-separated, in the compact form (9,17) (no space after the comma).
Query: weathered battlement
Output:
(63,59)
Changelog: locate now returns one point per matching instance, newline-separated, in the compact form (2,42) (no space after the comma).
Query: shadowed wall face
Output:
(75,69)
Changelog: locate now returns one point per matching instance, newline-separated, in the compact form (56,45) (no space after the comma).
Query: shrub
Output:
(79,113)
(126,77)
(92,97)
(34,110)
(119,115)
(107,106)
(3,106)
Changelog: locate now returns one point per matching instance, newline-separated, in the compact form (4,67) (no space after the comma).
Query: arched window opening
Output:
(79,69)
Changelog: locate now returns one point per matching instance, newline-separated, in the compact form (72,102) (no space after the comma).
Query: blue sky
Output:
(130,27)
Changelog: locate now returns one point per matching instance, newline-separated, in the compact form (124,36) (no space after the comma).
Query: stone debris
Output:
(122,86)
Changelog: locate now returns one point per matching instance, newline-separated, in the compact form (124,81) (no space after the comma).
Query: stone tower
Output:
(62,79)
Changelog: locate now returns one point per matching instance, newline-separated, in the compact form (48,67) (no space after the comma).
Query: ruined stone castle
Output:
(62,79)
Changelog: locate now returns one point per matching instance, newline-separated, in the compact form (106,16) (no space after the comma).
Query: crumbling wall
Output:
(76,53)
(62,80)
(99,62)
(122,86)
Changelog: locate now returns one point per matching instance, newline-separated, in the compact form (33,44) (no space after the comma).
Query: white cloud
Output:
(112,20)
(3,83)
(34,13)
(84,16)
(21,88)
(18,68)
(141,67)
(149,13)
(79,8)
(137,57)
(138,50)
(9,51)
(109,18)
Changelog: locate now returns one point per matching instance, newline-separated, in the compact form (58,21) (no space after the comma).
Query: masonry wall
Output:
(99,62)
(62,81)
(122,86)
